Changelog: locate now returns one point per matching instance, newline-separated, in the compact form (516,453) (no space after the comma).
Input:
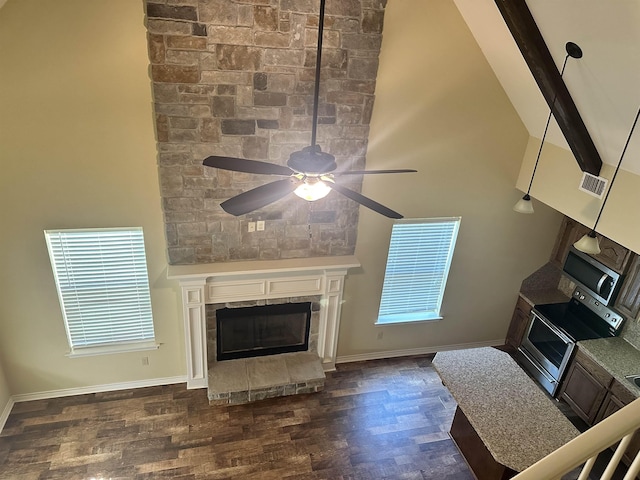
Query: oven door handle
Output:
(553,328)
(533,362)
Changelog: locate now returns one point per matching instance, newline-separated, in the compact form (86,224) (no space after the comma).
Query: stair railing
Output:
(584,449)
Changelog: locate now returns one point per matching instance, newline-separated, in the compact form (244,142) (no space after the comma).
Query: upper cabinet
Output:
(628,302)
(567,236)
(613,255)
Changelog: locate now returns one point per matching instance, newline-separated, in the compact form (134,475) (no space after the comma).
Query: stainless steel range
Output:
(554,329)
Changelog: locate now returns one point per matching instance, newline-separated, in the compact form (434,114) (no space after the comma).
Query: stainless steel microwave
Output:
(593,275)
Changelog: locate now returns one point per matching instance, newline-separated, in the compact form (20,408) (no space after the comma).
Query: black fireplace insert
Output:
(262,330)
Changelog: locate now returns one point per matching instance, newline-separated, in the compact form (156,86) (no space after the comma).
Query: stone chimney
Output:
(235,78)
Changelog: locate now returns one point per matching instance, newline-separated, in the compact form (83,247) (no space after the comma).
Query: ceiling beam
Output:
(525,32)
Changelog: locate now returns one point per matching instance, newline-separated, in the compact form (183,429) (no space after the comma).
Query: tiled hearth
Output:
(235,381)
(249,379)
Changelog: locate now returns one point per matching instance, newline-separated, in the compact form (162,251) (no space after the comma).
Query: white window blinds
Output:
(102,281)
(420,254)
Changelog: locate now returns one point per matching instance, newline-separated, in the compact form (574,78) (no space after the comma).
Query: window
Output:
(420,254)
(103,286)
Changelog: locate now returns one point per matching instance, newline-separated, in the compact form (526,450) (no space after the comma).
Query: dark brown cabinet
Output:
(569,233)
(610,405)
(628,302)
(585,387)
(613,255)
(617,397)
(519,322)
(593,394)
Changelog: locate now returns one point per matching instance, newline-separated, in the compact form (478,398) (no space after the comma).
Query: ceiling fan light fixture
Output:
(312,189)
(524,205)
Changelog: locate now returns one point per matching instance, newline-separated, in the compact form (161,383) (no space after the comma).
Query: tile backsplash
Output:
(631,332)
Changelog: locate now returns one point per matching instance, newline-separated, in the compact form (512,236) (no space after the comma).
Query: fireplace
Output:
(262,330)
(319,280)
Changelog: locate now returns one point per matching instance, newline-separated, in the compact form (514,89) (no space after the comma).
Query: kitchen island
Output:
(504,422)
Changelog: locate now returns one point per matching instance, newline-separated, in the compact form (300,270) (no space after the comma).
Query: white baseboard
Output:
(5,413)
(110,387)
(415,351)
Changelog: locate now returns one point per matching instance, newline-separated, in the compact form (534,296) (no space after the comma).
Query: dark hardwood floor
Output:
(383,419)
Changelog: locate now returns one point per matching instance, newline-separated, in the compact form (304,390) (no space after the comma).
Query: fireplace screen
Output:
(264,330)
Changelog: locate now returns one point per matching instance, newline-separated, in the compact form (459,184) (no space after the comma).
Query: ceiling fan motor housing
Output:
(312,161)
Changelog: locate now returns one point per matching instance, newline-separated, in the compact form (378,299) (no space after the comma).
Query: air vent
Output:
(593,185)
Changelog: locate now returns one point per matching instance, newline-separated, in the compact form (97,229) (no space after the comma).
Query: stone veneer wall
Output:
(211,309)
(235,78)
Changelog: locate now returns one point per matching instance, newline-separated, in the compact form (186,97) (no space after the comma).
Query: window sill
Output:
(110,349)
(406,321)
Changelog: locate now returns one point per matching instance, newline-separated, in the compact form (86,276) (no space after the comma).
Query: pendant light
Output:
(589,242)
(524,205)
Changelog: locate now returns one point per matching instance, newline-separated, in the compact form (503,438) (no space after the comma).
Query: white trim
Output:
(620,425)
(416,351)
(203,271)
(4,416)
(407,322)
(259,280)
(109,387)
(115,348)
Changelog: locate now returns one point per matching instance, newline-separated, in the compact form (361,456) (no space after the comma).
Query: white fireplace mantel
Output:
(259,280)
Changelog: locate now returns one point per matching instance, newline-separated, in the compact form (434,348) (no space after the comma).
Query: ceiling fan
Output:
(308,171)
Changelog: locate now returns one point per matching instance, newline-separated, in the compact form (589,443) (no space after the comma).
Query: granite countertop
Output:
(541,297)
(541,286)
(518,423)
(616,356)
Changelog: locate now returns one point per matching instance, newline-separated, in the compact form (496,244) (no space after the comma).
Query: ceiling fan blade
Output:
(362,200)
(246,166)
(259,197)
(369,172)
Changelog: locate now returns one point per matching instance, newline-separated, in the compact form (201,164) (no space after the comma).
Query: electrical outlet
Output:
(260,225)
(380,335)
(251,227)
(145,361)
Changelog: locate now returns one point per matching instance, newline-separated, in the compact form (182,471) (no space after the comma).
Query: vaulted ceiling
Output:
(604,83)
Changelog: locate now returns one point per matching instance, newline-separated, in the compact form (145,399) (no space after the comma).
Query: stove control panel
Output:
(613,318)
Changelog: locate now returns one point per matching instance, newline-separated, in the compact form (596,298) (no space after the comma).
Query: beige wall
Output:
(78,150)
(440,109)
(556,184)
